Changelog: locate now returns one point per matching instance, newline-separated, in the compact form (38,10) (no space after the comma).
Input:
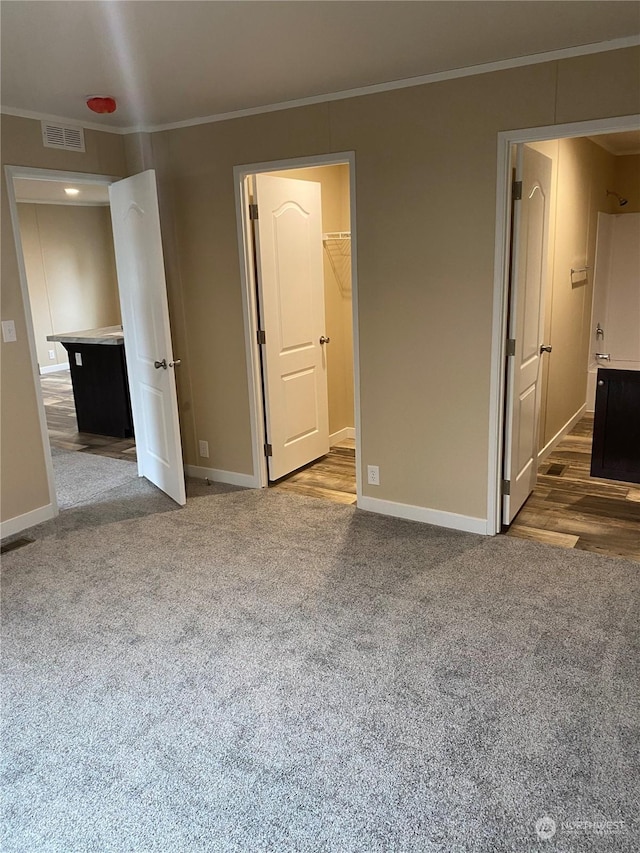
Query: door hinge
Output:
(268,450)
(262,336)
(516,190)
(253,211)
(506,487)
(511,346)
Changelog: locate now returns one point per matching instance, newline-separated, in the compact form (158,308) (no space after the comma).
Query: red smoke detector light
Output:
(101,104)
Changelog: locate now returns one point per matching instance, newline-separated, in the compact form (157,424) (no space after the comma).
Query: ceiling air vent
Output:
(61,136)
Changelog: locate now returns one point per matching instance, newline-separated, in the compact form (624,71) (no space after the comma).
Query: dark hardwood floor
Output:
(60,411)
(571,509)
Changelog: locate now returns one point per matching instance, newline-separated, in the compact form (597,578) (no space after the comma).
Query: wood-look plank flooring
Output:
(62,425)
(571,509)
(332,477)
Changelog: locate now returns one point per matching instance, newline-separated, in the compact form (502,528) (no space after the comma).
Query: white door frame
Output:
(501,282)
(12,172)
(260,478)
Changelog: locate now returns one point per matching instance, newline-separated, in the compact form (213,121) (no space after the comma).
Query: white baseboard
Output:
(248,481)
(440,518)
(347,432)
(21,522)
(53,368)
(557,438)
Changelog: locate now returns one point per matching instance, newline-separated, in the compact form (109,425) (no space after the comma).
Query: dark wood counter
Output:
(99,377)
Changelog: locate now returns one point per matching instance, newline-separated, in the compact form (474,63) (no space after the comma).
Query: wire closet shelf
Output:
(337,245)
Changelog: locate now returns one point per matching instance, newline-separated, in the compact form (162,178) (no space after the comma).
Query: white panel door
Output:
(291,296)
(145,319)
(528,281)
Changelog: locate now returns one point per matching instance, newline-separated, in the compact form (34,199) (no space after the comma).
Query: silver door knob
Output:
(160,364)
(324,340)
(175,363)
(545,348)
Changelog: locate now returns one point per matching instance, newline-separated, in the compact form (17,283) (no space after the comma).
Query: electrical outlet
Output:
(204,449)
(52,355)
(373,475)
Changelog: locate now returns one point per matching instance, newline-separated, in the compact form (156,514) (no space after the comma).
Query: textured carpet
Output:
(265,672)
(82,477)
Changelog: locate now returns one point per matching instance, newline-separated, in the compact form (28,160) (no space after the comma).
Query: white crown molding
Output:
(375,88)
(436,77)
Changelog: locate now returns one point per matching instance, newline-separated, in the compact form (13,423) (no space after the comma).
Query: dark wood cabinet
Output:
(616,427)
(100,388)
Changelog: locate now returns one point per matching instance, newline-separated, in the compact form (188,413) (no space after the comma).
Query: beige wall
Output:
(425,200)
(23,473)
(71,274)
(626,182)
(337,301)
(582,172)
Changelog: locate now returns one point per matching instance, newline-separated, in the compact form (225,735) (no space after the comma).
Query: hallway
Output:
(570,509)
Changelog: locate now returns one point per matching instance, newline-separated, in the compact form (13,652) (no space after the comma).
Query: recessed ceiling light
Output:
(71,191)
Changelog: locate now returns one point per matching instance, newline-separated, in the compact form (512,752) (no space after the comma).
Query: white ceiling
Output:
(168,61)
(52,192)
(619,143)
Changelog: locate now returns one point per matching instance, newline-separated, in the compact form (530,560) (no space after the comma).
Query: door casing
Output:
(506,140)
(260,478)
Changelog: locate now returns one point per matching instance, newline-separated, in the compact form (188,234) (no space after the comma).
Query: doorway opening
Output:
(74,239)
(296,223)
(556,337)
(66,250)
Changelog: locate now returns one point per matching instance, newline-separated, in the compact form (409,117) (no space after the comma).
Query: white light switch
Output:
(8,331)
(78,356)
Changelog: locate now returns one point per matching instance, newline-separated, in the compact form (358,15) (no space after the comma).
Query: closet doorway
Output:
(296,238)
